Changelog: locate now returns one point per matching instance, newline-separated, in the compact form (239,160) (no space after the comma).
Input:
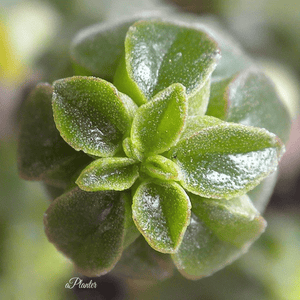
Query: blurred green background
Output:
(34,42)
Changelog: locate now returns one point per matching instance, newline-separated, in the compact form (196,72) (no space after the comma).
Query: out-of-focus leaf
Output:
(201,252)
(250,98)
(157,124)
(91,114)
(261,194)
(111,173)
(161,211)
(140,261)
(235,221)
(42,153)
(158,54)
(254,101)
(226,160)
(88,228)
(99,48)
(131,232)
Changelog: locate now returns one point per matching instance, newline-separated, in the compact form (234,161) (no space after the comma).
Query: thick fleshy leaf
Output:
(160,167)
(201,252)
(140,261)
(226,160)
(158,54)
(157,124)
(99,48)
(88,228)
(235,221)
(110,173)
(250,98)
(42,153)
(91,114)
(161,211)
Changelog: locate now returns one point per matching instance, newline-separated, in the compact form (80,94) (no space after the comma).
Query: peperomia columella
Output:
(163,159)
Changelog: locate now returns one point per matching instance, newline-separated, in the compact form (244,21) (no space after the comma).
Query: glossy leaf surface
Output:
(91,114)
(111,173)
(161,212)
(157,124)
(158,54)
(42,153)
(88,228)
(226,160)
(235,221)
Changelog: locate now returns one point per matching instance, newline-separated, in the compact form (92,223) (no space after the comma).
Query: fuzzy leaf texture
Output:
(157,124)
(91,114)
(226,160)
(161,212)
(158,54)
(42,153)
(145,180)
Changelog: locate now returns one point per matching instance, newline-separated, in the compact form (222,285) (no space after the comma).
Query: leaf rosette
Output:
(164,158)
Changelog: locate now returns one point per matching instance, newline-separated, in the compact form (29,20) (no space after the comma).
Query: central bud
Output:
(160,167)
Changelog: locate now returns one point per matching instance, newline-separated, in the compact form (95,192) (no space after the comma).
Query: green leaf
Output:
(254,101)
(42,153)
(161,211)
(201,252)
(131,232)
(140,261)
(160,167)
(250,98)
(131,151)
(233,58)
(158,54)
(218,102)
(91,114)
(235,221)
(199,102)
(226,160)
(262,193)
(111,173)
(88,228)
(195,124)
(157,125)
(99,48)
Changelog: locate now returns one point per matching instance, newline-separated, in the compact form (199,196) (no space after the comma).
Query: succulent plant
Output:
(156,150)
